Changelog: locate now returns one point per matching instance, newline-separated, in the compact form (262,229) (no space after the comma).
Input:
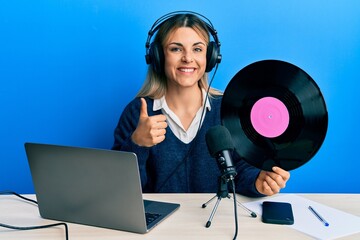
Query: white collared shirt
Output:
(174,122)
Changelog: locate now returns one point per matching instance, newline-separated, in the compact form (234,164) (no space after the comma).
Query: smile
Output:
(187,69)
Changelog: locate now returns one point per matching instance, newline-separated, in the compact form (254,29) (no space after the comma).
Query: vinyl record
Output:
(276,115)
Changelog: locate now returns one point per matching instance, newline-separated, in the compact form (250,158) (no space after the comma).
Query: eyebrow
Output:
(180,44)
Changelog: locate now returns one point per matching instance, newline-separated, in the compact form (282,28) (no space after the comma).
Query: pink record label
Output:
(269,117)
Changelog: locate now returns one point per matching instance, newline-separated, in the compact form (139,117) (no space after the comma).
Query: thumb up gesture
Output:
(150,129)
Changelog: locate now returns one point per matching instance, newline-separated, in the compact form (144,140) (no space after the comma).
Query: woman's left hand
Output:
(270,183)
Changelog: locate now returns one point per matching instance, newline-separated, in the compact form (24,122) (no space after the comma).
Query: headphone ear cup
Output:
(212,56)
(156,57)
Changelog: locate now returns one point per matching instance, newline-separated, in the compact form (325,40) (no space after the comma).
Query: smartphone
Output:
(277,213)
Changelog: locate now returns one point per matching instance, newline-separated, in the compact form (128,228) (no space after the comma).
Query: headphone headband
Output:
(154,54)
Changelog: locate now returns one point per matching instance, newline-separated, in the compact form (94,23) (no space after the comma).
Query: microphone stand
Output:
(223,192)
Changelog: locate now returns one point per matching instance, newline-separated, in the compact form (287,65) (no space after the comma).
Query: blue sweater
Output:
(165,168)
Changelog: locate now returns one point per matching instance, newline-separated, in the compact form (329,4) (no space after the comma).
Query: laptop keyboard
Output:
(150,217)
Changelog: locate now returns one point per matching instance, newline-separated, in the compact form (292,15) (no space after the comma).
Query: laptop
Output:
(94,187)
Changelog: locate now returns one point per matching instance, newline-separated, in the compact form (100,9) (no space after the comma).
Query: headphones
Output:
(154,51)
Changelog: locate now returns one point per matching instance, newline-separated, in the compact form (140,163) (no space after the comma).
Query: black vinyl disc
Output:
(276,115)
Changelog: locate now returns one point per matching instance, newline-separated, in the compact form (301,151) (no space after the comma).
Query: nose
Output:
(187,57)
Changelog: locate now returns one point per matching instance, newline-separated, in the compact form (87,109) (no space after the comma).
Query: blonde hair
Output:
(155,84)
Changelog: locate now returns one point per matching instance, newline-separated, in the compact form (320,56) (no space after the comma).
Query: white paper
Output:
(340,223)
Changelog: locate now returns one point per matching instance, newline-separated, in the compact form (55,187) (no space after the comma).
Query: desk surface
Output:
(186,223)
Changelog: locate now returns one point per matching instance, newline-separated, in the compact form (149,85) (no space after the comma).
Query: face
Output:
(185,57)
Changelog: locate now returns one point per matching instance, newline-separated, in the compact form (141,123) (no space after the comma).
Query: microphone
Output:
(220,146)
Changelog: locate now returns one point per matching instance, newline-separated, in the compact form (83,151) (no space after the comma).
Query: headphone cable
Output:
(235,209)
(196,136)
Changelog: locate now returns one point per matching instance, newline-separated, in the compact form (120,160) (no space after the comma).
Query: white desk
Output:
(186,223)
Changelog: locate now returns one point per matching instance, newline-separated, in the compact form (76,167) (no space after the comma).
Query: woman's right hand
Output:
(151,129)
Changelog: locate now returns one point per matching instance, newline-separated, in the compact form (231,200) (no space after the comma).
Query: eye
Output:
(198,49)
(175,49)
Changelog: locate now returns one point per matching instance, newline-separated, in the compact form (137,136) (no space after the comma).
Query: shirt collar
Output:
(160,103)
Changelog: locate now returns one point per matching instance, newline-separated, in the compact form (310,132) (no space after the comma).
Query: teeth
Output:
(186,69)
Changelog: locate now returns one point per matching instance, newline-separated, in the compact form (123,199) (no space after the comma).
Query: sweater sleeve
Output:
(245,179)
(122,137)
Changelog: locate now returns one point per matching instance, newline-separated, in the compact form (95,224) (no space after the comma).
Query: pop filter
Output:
(276,115)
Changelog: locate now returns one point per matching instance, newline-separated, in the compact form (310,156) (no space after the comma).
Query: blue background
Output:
(68,67)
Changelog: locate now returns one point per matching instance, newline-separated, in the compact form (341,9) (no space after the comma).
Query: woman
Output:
(165,125)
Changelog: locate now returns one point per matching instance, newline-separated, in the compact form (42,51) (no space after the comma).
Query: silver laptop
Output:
(93,187)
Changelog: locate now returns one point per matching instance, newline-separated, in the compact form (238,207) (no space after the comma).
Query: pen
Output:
(326,224)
